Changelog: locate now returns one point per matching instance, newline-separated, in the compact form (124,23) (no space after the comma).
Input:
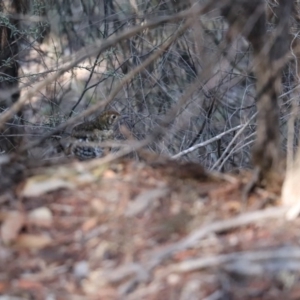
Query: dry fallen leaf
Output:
(11,226)
(3,286)
(144,200)
(27,284)
(89,224)
(41,216)
(39,185)
(33,241)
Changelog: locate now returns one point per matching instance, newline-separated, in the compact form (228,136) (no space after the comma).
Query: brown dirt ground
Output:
(136,230)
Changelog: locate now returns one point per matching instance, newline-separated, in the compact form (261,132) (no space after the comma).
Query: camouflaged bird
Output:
(86,150)
(86,136)
(100,129)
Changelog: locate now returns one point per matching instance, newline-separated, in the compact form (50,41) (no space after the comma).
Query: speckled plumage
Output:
(85,151)
(85,136)
(102,123)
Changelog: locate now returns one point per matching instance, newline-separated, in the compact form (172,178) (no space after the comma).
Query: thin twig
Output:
(236,148)
(86,84)
(116,90)
(195,147)
(220,226)
(249,256)
(97,47)
(232,142)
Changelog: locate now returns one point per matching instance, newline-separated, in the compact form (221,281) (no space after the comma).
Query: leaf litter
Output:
(137,230)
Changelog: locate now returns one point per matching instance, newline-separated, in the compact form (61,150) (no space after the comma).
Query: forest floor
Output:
(137,230)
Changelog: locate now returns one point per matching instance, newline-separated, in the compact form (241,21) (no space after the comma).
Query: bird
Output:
(85,139)
(85,150)
(99,129)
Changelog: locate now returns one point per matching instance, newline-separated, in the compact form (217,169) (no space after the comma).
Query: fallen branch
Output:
(220,226)
(238,258)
